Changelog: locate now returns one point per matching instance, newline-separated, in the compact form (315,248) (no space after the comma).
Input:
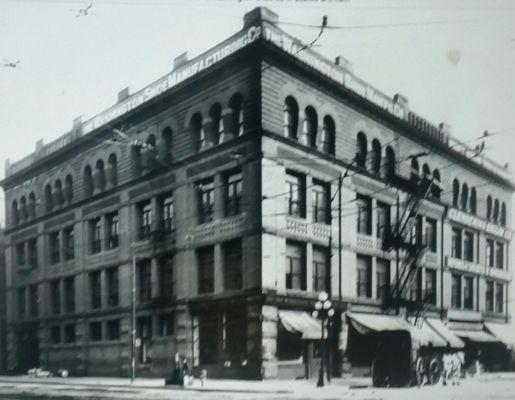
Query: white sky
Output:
(461,72)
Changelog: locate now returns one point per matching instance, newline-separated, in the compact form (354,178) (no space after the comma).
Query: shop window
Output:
(296,197)
(233,193)
(234,336)
(206,200)
(295,266)
(208,337)
(321,202)
(321,269)
(364,276)
(206,260)
(232,258)
(291,118)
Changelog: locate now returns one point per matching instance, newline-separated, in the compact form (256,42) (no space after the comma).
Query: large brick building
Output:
(219,184)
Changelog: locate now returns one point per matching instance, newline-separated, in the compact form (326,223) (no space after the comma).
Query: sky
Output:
(454,60)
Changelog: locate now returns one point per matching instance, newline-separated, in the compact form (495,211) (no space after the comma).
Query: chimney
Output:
(401,100)
(343,62)
(77,126)
(445,131)
(180,60)
(123,94)
(259,14)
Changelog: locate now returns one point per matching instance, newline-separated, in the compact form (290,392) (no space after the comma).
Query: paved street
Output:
(489,387)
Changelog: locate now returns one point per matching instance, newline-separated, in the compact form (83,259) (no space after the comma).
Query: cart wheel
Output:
(435,371)
(378,377)
(420,371)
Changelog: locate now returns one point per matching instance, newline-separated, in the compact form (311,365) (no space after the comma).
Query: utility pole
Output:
(397,256)
(133,321)
(340,181)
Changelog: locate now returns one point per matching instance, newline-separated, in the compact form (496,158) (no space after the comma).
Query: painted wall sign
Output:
(479,224)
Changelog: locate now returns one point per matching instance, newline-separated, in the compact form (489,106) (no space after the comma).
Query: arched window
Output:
(489,207)
(197,132)
(310,126)
(136,160)
(473,201)
(68,189)
(435,187)
(236,105)
(503,214)
(166,144)
(389,162)
(361,151)
(291,117)
(328,135)
(455,192)
(217,123)
(49,200)
(88,182)
(496,210)
(464,196)
(32,205)
(112,164)
(58,193)
(100,175)
(24,215)
(376,156)
(150,152)
(15,215)
(414,170)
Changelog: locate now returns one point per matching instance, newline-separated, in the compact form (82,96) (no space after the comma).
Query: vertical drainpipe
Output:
(442,259)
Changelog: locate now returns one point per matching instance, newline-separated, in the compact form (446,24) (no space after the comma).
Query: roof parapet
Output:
(259,14)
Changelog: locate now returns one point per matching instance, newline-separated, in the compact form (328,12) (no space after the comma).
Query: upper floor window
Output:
(389,162)
(33,300)
(361,151)
(296,198)
(468,293)
(55,247)
(136,164)
(69,294)
(376,156)
(68,189)
(327,140)
(383,220)
(495,215)
(291,117)
(295,266)
(32,249)
(456,291)
(144,219)
(455,192)
(166,144)
(113,228)
(364,276)
(382,279)
(145,281)
(15,216)
(236,105)
(490,255)
(499,297)
(488,207)
(310,126)
(232,259)
(20,254)
(206,200)
(69,243)
(320,202)
(49,199)
(468,244)
(21,302)
(197,131)
(233,193)
(499,255)
(473,201)
(32,205)
(489,296)
(166,277)
(23,214)
(430,286)
(432,243)
(364,217)
(150,152)
(167,212)
(206,262)
(464,197)
(55,296)
(58,193)
(88,181)
(217,124)
(112,163)
(503,214)
(415,287)
(456,243)
(112,287)
(95,290)
(436,189)
(321,268)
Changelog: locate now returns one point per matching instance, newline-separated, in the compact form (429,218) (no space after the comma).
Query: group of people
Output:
(181,372)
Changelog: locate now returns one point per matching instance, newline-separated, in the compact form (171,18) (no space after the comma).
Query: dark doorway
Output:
(27,347)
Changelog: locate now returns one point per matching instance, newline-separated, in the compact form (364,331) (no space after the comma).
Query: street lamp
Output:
(323,310)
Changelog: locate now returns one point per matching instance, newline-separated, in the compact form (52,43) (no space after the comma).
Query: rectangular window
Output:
(55,248)
(321,268)
(95,229)
(113,329)
(55,334)
(456,243)
(167,214)
(166,324)
(468,293)
(95,290)
(208,337)
(468,246)
(456,291)
(415,292)
(432,244)
(20,254)
(296,197)
(499,255)
(232,258)
(233,193)
(69,243)
(144,333)
(112,287)
(33,301)
(206,266)
(430,286)
(364,276)
(69,294)
(95,331)
(416,231)
(55,296)
(383,278)
(295,266)
(144,281)
(166,280)
(321,202)
(33,252)
(206,200)
(490,252)
(364,217)
(69,333)
(489,297)
(113,230)
(144,210)
(499,297)
(21,302)
(383,220)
